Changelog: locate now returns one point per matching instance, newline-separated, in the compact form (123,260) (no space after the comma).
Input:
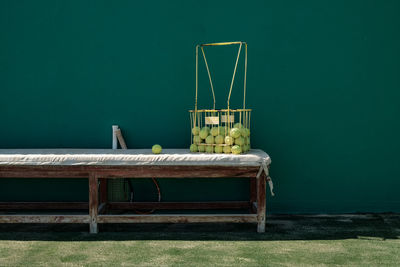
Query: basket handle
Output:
(234,71)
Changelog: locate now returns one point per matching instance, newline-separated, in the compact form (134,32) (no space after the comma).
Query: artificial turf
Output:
(357,240)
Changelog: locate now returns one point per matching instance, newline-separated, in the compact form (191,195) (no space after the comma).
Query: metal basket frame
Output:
(227,116)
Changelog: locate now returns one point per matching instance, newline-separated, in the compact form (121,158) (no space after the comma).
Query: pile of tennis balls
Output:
(221,139)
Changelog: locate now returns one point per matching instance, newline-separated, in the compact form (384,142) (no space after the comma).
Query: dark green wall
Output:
(323,81)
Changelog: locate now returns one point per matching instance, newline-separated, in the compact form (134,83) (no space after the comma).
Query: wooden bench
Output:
(26,166)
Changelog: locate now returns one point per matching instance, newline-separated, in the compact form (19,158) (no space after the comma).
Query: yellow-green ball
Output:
(229,140)
(247,140)
(218,149)
(239,141)
(210,139)
(195,130)
(206,128)
(214,131)
(227,130)
(203,133)
(221,131)
(196,139)
(209,149)
(227,149)
(219,139)
(193,148)
(238,125)
(245,132)
(245,148)
(156,149)
(201,148)
(236,149)
(235,132)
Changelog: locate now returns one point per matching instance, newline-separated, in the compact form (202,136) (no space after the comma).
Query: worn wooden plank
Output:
(181,172)
(44,205)
(179,205)
(158,171)
(42,174)
(192,218)
(93,202)
(261,203)
(44,219)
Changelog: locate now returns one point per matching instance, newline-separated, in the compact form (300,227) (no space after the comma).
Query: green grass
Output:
(362,240)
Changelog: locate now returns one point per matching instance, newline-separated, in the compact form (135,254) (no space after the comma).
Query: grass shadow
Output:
(279,227)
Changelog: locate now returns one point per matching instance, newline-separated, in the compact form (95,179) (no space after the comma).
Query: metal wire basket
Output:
(221,130)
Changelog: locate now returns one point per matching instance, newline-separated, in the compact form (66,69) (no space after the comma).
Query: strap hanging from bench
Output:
(264,168)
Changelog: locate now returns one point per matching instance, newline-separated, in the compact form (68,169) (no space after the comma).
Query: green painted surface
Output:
(323,80)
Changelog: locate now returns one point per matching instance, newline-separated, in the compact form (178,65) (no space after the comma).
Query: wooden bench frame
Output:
(97,176)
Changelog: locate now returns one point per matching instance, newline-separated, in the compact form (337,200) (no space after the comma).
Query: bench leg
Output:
(261,203)
(93,202)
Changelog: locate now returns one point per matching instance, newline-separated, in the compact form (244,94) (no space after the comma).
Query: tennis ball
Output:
(229,140)
(201,148)
(219,139)
(195,130)
(210,139)
(221,131)
(245,132)
(227,149)
(246,148)
(203,133)
(206,128)
(156,149)
(239,141)
(227,130)
(196,139)
(236,149)
(214,131)
(209,149)
(193,148)
(235,132)
(218,149)
(238,125)
(247,140)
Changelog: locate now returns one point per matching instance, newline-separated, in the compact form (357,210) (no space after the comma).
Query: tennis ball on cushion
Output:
(218,149)
(227,149)
(235,132)
(193,148)
(229,140)
(239,141)
(238,125)
(214,131)
(209,149)
(236,149)
(203,133)
(196,139)
(210,139)
(156,149)
(195,130)
(245,132)
(219,139)
(201,148)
